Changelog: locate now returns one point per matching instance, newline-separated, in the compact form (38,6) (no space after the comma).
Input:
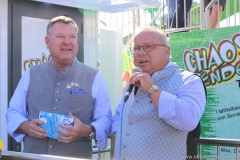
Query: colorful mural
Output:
(127,66)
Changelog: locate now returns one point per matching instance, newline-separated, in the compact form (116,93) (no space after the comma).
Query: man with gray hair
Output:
(63,85)
(154,122)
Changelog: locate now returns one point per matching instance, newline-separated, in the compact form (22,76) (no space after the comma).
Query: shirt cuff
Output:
(114,127)
(101,136)
(18,137)
(166,103)
(12,128)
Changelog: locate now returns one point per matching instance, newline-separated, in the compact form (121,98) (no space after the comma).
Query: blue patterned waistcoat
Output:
(144,134)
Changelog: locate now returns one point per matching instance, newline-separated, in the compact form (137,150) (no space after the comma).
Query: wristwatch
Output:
(153,88)
(93,133)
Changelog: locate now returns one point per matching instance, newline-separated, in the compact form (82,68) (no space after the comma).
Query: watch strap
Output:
(153,88)
(93,128)
(93,133)
(150,92)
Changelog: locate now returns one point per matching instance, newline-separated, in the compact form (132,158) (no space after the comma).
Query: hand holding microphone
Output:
(142,80)
(139,79)
(145,82)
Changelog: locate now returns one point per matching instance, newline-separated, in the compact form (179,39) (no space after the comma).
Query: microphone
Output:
(130,88)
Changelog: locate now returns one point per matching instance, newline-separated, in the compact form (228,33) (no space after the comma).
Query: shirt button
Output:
(50,146)
(124,146)
(156,74)
(127,134)
(130,123)
(59,84)
(57,91)
(56,100)
(55,108)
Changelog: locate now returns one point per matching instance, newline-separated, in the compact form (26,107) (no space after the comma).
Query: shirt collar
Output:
(72,62)
(168,65)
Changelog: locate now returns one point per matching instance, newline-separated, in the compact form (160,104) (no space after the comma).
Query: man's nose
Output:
(141,50)
(66,40)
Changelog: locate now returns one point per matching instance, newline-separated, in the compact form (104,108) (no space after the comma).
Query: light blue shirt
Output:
(16,113)
(182,111)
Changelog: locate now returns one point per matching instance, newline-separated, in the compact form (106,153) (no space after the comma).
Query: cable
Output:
(120,149)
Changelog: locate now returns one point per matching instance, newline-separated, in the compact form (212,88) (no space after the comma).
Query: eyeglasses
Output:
(146,48)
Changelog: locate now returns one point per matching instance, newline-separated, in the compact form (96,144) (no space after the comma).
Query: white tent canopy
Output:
(107,5)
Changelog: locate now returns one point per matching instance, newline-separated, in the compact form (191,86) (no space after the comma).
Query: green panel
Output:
(231,8)
(220,49)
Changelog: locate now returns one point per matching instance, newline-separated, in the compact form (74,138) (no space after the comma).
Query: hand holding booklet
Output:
(53,121)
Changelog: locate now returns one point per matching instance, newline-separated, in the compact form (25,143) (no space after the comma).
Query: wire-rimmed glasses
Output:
(146,48)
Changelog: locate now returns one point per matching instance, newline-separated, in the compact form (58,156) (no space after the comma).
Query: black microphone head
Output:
(136,69)
(130,88)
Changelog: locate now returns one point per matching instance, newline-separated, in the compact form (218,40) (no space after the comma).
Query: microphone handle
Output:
(126,96)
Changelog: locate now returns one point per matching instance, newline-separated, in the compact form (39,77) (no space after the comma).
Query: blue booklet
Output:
(53,121)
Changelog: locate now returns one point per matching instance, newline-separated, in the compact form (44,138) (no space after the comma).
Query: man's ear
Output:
(47,41)
(167,52)
(167,49)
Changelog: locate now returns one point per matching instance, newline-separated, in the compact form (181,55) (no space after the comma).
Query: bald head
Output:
(150,50)
(159,34)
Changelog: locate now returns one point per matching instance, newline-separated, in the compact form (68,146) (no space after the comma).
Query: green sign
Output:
(215,55)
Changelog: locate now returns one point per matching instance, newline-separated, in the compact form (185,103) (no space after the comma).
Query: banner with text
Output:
(215,55)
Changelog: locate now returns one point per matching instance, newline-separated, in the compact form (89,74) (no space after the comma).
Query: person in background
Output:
(215,11)
(177,13)
(154,122)
(63,85)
